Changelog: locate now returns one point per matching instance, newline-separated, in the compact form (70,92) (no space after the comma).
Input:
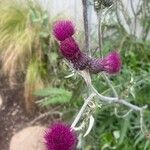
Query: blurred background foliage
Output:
(28,52)
(29,55)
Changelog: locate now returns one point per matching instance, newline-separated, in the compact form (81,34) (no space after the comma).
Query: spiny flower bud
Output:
(63,29)
(81,62)
(110,64)
(70,50)
(60,137)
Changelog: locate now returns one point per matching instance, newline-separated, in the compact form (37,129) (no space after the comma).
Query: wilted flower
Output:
(63,29)
(110,64)
(60,137)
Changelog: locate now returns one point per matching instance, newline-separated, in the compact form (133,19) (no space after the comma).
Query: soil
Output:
(13,116)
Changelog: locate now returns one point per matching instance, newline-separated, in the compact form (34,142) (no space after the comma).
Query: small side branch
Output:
(116,100)
(82,110)
(110,85)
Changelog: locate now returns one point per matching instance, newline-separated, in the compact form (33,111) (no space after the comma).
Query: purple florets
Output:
(60,137)
(111,63)
(63,29)
(69,49)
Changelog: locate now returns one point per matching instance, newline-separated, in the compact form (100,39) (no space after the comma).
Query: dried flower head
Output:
(60,137)
(110,64)
(63,29)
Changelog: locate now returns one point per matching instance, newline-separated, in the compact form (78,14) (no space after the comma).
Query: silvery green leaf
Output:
(70,75)
(80,127)
(116,134)
(91,123)
(132,91)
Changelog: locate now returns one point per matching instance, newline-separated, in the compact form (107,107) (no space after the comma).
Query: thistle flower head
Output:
(70,49)
(60,137)
(63,29)
(111,63)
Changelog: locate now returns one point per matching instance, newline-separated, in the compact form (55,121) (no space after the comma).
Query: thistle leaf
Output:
(91,123)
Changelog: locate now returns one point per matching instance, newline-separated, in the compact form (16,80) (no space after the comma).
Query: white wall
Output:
(72,9)
(66,8)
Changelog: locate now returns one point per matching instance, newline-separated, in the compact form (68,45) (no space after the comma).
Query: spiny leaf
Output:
(60,99)
(53,96)
(51,91)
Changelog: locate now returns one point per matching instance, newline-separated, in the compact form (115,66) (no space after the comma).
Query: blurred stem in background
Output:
(85,4)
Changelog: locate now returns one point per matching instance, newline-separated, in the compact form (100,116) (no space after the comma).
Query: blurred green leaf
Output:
(53,96)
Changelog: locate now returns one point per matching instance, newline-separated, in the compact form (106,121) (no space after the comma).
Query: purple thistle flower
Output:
(110,64)
(60,137)
(63,29)
(70,50)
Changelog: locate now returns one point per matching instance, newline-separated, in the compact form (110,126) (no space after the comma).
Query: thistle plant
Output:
(85,65)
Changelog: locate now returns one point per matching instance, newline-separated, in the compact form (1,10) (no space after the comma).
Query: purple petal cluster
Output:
(110,64)
(60,137)
(69,49)
(63,29)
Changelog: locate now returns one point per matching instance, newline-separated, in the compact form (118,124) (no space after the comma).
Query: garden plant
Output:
(62,135)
